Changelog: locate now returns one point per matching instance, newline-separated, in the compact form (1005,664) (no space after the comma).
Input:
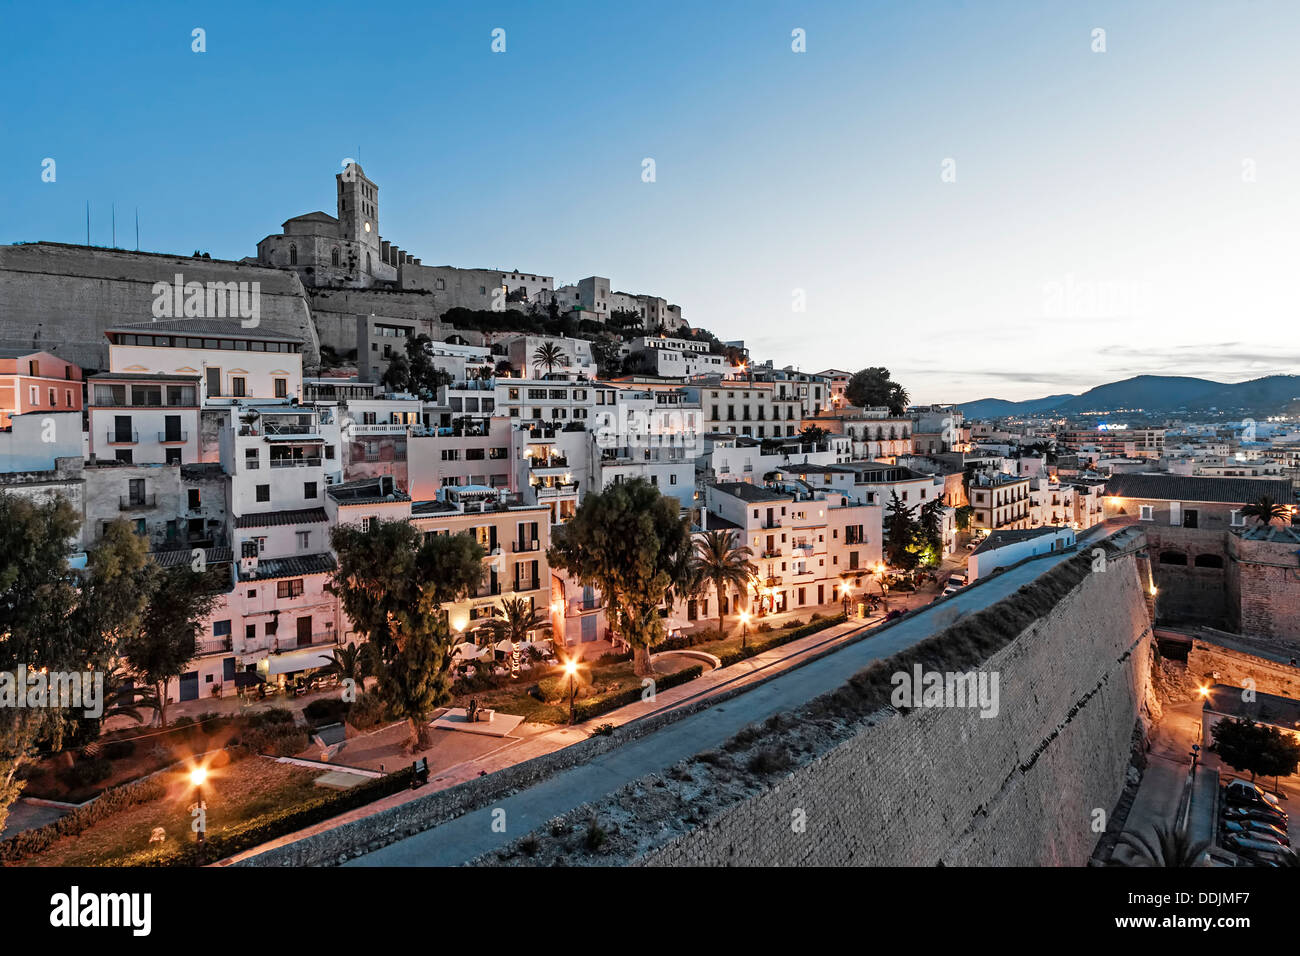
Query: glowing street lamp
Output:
(744,628)
(199,819)
(846,591)
(571,668)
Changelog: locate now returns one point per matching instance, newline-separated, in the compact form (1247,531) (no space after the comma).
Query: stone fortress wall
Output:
(61,298)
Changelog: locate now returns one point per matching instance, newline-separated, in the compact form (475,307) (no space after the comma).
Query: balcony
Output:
(284,428)
(318,639)
(379,428)
(556,491)
(584,605)
(521,547)
(772,553)
(295,462)
(219,645)
(488,590)
(170,437)
(521,586)
(137,502)
(123,438)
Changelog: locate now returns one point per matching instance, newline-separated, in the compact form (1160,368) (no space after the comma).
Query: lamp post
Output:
(571,668)
(199,776)
(744,628)
(846,591)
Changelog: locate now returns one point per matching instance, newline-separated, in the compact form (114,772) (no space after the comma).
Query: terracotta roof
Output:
(1165,487)
(297,566)
(174,559)
(273,519)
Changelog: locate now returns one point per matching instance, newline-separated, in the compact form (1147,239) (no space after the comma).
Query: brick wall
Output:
(1264,599)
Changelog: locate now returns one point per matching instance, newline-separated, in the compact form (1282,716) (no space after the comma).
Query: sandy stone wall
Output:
(946,786)
(61,298)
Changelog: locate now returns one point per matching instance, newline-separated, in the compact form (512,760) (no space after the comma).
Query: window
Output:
(220,628)
(309,489)
(1147,513)
(289,589)
(34,394)
(263,492)
(173,456)
(1237,519)
(237,386)
(281,388)
(250,630)
(193,499)
(293,254)
(304,540)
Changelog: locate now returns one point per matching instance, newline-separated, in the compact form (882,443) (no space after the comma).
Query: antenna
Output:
(113,207)
(137,228)
(87,222)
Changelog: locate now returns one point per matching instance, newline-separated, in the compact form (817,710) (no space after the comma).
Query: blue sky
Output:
(1112,213)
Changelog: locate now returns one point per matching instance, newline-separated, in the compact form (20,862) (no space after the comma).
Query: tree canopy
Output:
(632,543)
(873,388)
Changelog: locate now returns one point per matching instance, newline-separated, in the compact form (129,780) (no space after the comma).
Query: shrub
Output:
(327,710)
(596,836)
(604,729)
(278,740)
(87,771)
(764,626)
(606,660)
(770,760)
(555,688)
(366,711)
(272,715)
(595,706)
(119,749)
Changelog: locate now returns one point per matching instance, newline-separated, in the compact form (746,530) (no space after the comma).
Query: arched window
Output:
(334,256)
(1173,557)
(1209,561)
(369,267)
(293,254)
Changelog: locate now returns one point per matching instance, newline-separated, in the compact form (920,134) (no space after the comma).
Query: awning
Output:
(302,660)
(248,679)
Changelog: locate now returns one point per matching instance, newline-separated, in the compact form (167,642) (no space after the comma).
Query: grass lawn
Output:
(235,794)
(733,640)
(513,697)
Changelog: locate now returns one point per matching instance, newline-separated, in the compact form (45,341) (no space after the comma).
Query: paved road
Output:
(471,835)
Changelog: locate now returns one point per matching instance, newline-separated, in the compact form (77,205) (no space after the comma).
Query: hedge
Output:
(759,645)
(22,845)
(595,706)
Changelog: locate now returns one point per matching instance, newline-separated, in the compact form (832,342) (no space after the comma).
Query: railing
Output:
(582,605)
(380,428)
(221,645)
(137,502)
(555,461)
(295,462)
(252,464)
(274,428)
(772,553)
(173,436)
(527,585)
(318,639)
(123,438)
(523,546)
(556,491)
(488,590)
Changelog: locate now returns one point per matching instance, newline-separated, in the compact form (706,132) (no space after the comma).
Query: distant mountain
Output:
(1156,393)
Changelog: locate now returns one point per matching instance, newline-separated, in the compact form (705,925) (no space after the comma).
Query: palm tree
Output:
(1172,846)
(716,561)
(1267,510)
(350,662)
(517,618)
(550,355)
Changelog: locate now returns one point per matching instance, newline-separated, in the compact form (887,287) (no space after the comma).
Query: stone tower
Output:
(359,213)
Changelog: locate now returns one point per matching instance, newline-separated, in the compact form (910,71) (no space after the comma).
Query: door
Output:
(214,381)
(1175,513)
(172,428)
(190,686)
(122,428)
(589,631)
(304,631)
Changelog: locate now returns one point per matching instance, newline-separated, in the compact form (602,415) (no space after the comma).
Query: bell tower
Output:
(358,209)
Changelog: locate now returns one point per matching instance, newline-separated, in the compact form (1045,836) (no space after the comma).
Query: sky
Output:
(972,194)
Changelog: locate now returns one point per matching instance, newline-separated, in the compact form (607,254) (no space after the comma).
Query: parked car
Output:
(1256,830)
(1258,851)
(1245,793)
(1256,812)
(957,579)
(950,590)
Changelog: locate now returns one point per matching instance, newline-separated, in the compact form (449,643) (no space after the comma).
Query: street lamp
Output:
(571,668)
(744,628)
(846,591)
(199,776)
